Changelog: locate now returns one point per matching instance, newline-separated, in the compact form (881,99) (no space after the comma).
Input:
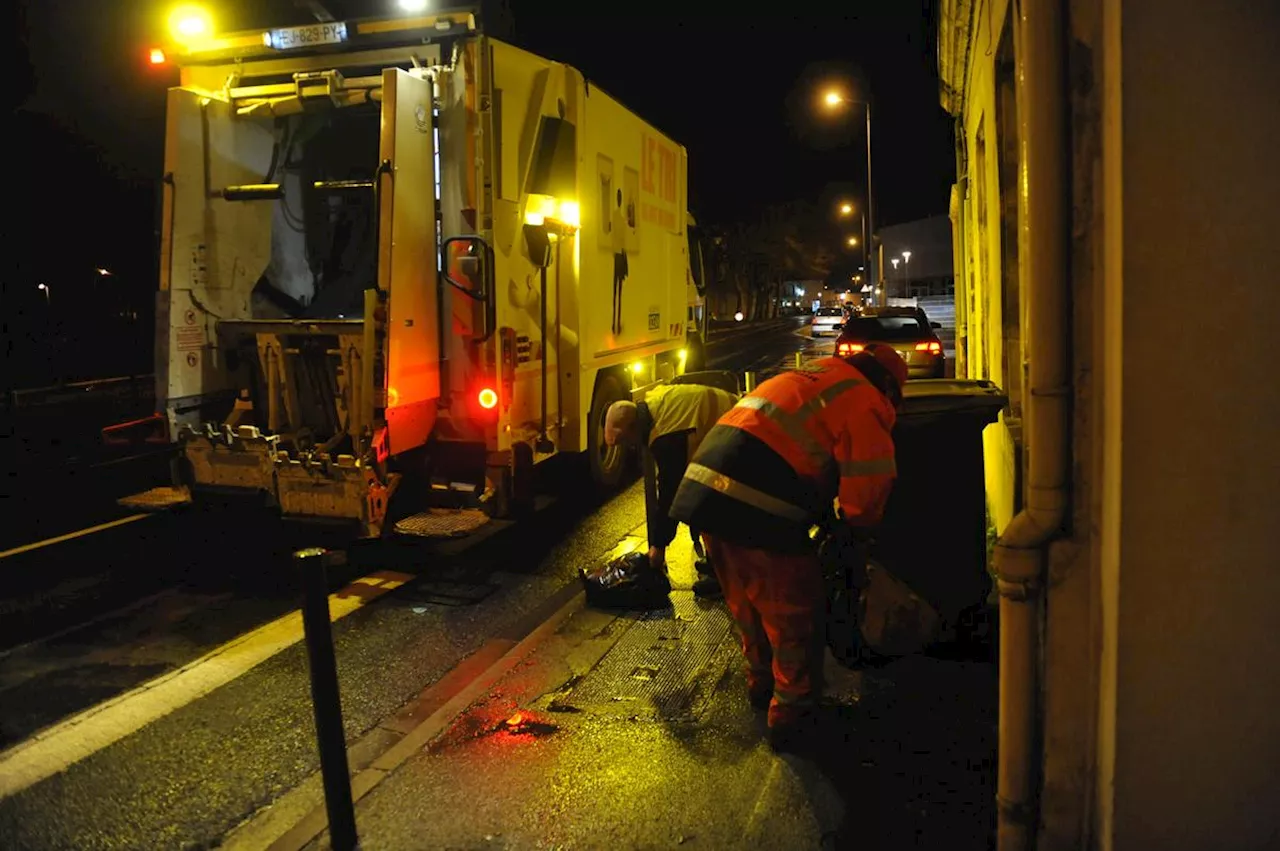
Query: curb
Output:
(396,739)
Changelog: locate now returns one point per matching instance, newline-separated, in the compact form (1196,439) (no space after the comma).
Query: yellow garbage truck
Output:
(404,261)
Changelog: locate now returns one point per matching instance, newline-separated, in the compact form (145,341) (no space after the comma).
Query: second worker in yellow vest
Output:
(669,426)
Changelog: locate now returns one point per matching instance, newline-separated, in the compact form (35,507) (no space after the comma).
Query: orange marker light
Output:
(488,398)
(157,56)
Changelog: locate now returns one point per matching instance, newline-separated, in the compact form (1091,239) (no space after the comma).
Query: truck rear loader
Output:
(403,262)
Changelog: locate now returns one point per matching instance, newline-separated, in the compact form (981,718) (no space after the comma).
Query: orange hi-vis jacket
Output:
(770,469)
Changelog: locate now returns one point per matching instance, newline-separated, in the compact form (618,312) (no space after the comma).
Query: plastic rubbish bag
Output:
(872,616)
(629,582)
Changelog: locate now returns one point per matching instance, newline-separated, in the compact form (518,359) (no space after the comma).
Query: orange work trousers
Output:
(778,603)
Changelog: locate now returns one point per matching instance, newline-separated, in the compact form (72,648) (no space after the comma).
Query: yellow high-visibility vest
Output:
(680,407)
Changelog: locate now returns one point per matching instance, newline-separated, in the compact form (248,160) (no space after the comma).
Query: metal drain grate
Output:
(442,523)
(660,666)
(441,593)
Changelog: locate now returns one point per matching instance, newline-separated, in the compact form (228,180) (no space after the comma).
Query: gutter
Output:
(1020,554)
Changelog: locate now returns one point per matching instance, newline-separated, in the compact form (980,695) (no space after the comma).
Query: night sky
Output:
(739,89)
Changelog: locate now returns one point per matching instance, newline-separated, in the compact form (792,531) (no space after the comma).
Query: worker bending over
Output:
(762,479)
(669,425)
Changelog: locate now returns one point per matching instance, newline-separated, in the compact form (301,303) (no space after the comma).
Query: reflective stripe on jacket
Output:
(770,468)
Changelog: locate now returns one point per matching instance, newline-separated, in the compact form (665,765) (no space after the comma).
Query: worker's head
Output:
(620,423)
(884,368)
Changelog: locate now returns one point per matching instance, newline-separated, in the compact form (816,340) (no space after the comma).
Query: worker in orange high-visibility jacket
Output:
(768,473)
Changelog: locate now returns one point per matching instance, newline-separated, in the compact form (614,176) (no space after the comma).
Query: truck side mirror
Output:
(466,265)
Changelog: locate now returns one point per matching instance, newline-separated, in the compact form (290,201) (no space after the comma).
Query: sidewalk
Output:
(633,731)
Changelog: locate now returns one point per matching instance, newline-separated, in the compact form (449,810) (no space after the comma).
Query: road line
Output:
(57,748)
(70,536)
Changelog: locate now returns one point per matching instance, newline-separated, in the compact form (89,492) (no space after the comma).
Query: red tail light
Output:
(488,398)
(849,348)
(934,348)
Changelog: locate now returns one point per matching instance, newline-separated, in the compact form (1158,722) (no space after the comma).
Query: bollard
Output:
(748,382)
(799,360)
(325,699)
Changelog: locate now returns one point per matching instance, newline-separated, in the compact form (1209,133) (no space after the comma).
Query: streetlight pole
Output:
(869,236)
(835,98)
(906,273)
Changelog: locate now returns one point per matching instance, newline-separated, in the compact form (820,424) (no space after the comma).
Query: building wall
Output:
(1159,691)
(1159,694)
(1197,640)
(982,256)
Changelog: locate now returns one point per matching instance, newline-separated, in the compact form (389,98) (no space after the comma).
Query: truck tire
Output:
(696,361)
(607,464)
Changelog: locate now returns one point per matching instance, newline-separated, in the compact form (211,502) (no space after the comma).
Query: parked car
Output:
(907,329)
(827,320)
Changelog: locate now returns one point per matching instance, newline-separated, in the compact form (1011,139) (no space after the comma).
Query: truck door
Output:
(407,269)
(212,252)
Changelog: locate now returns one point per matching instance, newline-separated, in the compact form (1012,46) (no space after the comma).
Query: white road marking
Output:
(57,748)
(79,533)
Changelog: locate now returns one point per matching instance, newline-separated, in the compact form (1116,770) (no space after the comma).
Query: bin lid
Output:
(933,396)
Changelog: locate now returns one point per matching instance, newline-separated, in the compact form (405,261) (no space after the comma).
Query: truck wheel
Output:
(697,357)
(607,463)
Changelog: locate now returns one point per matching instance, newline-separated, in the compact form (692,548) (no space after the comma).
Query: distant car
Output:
(907,329)
(827,320)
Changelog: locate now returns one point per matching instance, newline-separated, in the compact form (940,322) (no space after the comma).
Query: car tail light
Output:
(934,348)
(849,348)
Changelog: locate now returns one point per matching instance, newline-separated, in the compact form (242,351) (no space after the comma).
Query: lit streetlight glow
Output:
(853,241)
(846,209)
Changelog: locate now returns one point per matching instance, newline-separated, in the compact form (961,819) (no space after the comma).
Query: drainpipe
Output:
(1020,554)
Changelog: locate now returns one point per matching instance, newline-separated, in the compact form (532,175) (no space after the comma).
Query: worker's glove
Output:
(843,553)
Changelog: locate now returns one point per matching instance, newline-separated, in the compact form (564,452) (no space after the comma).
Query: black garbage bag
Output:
(629,582)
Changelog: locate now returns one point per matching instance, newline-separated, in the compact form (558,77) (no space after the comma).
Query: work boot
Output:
(793,736)
(760,695)
(707,585)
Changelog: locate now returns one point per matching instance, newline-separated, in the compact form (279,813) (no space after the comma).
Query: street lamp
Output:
(834,99)
(906,272)
(45,287)
(853,241)
(846,209)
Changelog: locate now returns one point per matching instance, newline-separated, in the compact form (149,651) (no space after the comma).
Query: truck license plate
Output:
(291,38)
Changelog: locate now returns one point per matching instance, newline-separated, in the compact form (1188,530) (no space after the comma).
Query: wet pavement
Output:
(633,731)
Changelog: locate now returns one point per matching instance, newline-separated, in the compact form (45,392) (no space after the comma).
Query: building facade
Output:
(1109,154)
